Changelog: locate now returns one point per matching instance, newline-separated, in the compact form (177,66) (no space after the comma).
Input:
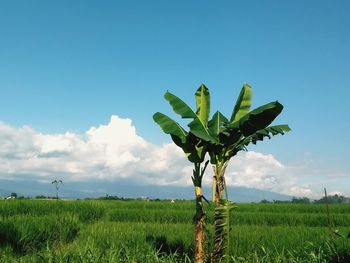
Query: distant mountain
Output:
(4,192)
(75,190)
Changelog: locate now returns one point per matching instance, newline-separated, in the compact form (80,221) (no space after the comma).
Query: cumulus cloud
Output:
(106,152)
(114,151)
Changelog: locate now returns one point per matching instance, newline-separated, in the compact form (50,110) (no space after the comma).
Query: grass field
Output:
(160,231)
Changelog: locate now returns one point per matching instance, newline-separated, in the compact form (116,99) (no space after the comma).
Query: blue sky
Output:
(70,65)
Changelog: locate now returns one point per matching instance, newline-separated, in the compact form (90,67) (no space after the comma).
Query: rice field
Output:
(161,231)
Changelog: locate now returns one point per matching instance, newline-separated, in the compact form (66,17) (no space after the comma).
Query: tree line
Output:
(331,199)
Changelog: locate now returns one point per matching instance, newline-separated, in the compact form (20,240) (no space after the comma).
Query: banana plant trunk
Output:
(199,229)
(221,224)
(219,183)
(199,218)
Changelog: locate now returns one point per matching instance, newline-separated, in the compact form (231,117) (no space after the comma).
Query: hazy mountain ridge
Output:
(75,190)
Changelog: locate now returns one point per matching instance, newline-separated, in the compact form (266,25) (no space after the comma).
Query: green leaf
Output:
(278,129)
(258,119)
(215,125)
(179,106)
(243,103)
(170,126)
(233,137)
(260,135)
(199,130)
(202,96)
(195,152)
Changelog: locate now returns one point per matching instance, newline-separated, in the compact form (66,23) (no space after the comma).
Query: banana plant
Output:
(194,144)
(231,136)
(234,135)
(222,138)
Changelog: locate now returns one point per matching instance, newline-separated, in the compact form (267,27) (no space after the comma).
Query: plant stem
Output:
(199,218)
(199,231)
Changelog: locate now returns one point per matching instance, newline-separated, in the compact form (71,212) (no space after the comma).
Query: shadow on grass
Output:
(30,236)
(165,247)
(341,258)
(8,235)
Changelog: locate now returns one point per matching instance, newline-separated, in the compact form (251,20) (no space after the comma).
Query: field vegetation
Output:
(161,231)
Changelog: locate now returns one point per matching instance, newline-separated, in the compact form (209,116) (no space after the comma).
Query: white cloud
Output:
(106,152)
(115,150)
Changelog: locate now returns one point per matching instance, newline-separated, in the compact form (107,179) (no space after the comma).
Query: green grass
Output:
(158,231)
